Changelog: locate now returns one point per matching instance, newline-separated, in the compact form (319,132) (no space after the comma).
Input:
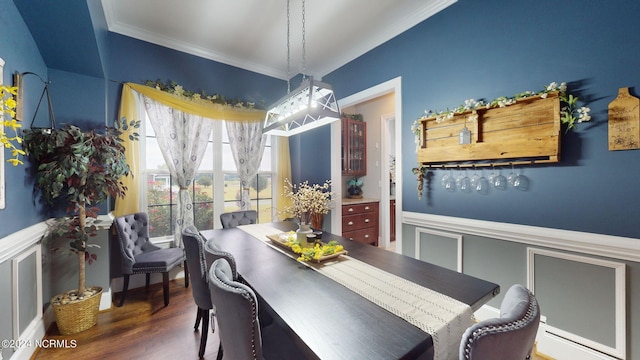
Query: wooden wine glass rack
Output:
(527,132)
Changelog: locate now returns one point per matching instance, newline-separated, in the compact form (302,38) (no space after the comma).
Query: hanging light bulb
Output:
(311,105)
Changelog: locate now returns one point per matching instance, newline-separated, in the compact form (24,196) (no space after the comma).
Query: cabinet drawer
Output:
(359,208)
(357,222)
(367,236)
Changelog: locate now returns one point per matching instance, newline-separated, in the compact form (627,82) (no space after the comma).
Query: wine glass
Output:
(448,182)
(521,182)
(512,176)
(482,185)
(475,178)
(499,181)
(463,182)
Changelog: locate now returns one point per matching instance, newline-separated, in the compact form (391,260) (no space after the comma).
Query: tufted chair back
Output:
(194,249)
(133,232)
(509,337)
(237,316)
(213,251)
(235,218)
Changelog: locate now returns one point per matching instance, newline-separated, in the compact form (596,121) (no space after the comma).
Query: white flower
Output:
(543,95)
(563,87)
(552,87)
(583,114)
(179,90)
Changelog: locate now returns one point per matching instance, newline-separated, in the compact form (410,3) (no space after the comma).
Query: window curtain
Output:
(130,109)
(182,138)
(247,146)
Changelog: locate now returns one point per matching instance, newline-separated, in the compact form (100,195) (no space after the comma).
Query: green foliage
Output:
(84,168)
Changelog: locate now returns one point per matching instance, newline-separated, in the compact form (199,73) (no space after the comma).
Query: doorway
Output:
(384,147)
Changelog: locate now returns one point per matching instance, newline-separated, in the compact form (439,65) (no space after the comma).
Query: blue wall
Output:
(132,60)
(483,50)
(20,53)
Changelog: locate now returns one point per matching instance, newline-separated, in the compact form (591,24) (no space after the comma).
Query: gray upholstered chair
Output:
(194,248)
(509,337)
(140,256)
(240,332)
(235,218)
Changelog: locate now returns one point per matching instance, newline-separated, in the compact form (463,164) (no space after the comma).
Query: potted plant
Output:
(83,168)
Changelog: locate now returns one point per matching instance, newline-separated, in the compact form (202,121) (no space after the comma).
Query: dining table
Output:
(328,320)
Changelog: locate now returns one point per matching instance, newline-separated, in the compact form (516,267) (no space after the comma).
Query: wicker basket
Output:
(77,316)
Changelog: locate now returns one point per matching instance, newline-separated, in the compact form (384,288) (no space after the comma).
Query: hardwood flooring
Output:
(141,329)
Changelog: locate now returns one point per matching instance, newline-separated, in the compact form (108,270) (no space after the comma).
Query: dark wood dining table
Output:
(329,321)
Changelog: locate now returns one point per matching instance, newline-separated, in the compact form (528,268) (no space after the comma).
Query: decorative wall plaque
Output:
(624,121)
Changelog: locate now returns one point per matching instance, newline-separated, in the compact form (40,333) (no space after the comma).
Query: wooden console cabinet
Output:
(360,222)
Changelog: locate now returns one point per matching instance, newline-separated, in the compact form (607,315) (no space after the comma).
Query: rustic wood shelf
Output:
(526,132)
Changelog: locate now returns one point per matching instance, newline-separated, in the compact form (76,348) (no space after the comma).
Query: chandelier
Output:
(311,105)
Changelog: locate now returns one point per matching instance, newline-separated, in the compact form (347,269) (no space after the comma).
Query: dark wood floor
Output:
(141,329)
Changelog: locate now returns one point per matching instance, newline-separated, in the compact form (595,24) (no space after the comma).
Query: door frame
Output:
(391,86)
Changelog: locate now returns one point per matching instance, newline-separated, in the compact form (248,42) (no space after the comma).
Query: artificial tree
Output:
(84,168)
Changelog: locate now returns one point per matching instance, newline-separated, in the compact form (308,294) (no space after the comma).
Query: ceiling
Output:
(252,34)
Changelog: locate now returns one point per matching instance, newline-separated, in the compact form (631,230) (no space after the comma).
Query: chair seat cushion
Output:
(158,261)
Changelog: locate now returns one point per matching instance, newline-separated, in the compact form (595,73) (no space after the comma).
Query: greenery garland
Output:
(173,87)
(570,113)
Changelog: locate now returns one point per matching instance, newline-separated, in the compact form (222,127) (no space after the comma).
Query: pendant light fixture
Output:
(311,105)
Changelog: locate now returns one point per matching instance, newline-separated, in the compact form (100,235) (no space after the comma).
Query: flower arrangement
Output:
(8,105)
(316,252)
(307,200)
(570,113)
(172,87)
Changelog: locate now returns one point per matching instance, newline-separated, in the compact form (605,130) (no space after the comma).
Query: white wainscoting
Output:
(16,248)
(456,237)
(619,294)
(587,248)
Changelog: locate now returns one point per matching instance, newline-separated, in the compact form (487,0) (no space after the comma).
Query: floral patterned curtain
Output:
(182,138)
(247,145)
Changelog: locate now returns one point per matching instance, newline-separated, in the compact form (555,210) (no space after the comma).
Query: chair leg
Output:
(219,357)
(205,331)
(186,274)
(125,286)
(165,287)
(148,279)
(213,327)
(198,318)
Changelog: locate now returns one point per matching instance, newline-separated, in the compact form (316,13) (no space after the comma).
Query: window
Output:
(216,186)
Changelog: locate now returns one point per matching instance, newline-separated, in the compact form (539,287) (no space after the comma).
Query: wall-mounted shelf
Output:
(526,132)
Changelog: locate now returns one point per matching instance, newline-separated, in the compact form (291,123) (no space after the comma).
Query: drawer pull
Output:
(366,220)
(350,210)
(367,208)
(366,236)
(350,223)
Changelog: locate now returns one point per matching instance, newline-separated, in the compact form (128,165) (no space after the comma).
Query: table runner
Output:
(443,317)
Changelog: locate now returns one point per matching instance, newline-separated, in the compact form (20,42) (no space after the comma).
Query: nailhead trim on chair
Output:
(254,315)
(514,325)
